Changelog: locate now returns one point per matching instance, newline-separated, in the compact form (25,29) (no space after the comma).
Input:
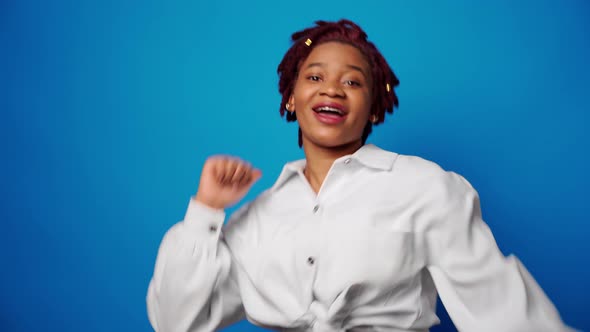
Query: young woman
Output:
(352,238)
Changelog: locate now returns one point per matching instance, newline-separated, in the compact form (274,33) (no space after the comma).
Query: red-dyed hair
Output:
(344,31)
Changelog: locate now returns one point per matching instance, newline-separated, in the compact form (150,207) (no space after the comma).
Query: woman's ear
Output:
(291,102)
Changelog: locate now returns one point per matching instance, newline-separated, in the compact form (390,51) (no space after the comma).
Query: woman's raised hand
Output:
(225,180)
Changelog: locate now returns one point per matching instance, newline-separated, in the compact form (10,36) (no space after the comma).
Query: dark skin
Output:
(334,74)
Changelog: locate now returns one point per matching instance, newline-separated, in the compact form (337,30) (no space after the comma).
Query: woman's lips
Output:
(329,118)
(329,112)
(330,105)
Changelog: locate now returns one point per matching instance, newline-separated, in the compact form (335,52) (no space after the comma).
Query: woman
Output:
(353,238)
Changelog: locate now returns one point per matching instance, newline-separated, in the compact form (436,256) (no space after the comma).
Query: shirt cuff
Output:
(203,222)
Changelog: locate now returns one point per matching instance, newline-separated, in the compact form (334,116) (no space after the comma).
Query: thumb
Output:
(256,175)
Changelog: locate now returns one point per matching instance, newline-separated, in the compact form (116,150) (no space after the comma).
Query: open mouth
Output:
(330,110)
(330,114)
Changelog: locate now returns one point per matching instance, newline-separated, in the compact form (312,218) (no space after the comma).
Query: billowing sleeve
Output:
(193,287)
(481,289)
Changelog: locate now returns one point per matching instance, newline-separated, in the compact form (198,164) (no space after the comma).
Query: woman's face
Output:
(332,96)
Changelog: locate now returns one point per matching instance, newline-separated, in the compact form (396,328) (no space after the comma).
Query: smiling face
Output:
(332,96)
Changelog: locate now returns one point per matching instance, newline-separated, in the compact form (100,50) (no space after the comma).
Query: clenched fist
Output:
(225,180)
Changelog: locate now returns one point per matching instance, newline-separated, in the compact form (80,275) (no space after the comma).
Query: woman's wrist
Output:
(211,203)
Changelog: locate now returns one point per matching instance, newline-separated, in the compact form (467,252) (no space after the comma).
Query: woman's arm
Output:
(481,289)
(194,285)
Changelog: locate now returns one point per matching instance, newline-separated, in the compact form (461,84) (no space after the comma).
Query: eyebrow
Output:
(353,67)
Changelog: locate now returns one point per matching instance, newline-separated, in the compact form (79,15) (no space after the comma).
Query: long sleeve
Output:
(481,289)
(194,286)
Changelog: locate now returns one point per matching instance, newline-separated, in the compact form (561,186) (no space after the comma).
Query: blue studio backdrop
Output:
(109,109)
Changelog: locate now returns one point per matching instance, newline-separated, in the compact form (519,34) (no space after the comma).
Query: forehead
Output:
(337,53)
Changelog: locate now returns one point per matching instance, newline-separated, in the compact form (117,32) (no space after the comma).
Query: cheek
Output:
(365,104)
(300,94)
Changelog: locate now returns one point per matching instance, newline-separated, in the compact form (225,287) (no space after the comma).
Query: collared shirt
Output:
(368,252)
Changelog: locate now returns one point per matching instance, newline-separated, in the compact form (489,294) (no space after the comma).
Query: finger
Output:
(247,178)
(226,164)
(217,169)
(253,176)
(229,170)
(221,167)
(241,173)
(256,174)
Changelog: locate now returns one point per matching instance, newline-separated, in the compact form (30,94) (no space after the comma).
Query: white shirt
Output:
(367,253)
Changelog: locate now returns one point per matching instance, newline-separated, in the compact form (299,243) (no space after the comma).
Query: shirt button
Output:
(212,228)
(316,208)
(347,160)
(310,260)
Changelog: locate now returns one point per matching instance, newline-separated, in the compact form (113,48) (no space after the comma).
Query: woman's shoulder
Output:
(409,165)
(418,166)
(428,176)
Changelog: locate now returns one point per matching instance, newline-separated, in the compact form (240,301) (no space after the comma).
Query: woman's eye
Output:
(352,83)
(314,78)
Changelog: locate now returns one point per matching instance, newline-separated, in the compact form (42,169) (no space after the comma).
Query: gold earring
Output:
(288,108)
(374,118)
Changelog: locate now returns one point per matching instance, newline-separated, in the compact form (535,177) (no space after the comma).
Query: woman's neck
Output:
(319,160)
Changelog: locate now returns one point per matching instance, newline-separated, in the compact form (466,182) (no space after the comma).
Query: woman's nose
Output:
(332,89)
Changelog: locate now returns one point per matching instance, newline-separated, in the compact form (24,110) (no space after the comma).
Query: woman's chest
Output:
(326,246)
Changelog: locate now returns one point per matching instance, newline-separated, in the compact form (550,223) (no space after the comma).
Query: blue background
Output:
(109,108)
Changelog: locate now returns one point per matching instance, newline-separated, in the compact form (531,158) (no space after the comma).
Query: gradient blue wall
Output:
(109,108)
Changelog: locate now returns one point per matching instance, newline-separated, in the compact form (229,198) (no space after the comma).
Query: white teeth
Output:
(329,109)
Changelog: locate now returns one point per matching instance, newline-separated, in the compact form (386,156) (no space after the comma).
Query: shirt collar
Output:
(368,155)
